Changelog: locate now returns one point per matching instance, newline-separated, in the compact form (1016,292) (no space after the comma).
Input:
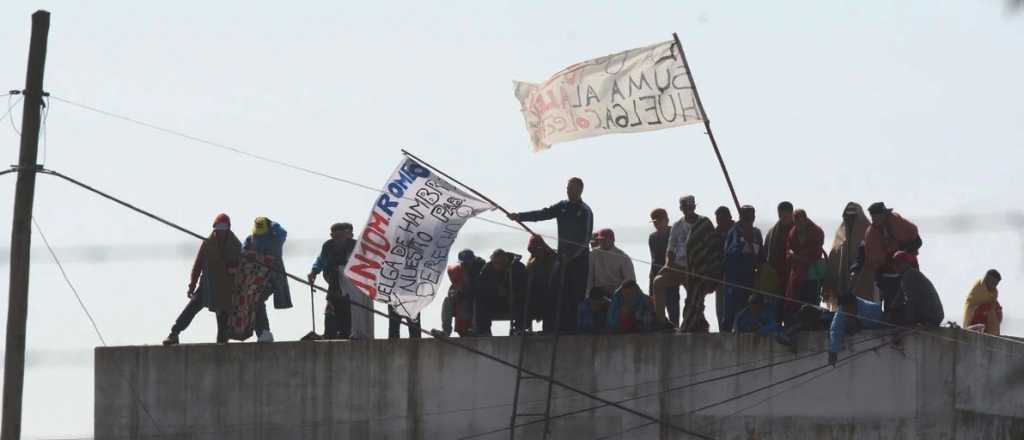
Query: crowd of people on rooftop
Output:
(774,284)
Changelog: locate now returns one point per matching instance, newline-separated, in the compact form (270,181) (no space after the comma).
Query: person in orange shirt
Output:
(888,233)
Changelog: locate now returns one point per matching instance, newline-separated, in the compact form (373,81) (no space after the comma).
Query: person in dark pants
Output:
(212,283)
(395,325)
(268,239)
(333,257)
(657,242)
(575,227)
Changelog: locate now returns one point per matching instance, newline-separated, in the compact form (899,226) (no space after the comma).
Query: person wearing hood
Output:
(334,254)
(839,275)
(775,244)
(888,233)
(803,251)
(541,284)
(742,250)
(982,310)
(268,239)
(502,279)
(212,284)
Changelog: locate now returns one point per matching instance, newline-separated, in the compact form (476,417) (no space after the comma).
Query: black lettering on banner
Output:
(591,94)
(668,80)
(654,107)
(661,103)
(637,114)
(407,281)
(621,120)
(427,196)
(579,97)
(693,106)
(411,218)
(389,270)
(386,288)
(639,84)
(430,271)
(617,91)
(610,65)
(681,80)
(439,186)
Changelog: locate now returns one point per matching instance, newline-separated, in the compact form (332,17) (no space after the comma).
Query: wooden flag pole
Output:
(707,123)
(475,192)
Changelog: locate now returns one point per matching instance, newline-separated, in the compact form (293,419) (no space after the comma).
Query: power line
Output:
(748,393)
(671,389)
(9,108)
(67,280)
(95,327)
(403,322)
(371,188)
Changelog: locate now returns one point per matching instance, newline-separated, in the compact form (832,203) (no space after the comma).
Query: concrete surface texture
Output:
(947,384)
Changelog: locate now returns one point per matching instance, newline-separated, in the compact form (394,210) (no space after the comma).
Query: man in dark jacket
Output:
(657,242)
(333,257)
(500,282)
(575,227)
(541,272)
(917,302)
(212,284)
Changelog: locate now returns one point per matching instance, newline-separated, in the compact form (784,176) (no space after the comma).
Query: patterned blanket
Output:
(253,283)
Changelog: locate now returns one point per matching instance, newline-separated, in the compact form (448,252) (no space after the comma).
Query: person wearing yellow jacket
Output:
(982,305)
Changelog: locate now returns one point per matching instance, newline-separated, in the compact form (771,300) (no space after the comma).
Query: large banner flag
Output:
(637,90)
(402,252)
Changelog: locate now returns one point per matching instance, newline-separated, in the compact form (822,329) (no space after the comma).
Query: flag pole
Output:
(707,123)
(474,191)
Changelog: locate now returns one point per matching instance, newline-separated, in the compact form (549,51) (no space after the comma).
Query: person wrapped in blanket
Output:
(758,318)
(982,311)
(268,239)
(630,311)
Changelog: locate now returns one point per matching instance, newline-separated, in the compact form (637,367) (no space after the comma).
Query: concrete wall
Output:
(933,388)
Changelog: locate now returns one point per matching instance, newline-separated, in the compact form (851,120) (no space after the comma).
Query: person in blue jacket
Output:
(854,313)
(757,318)
(268,239)
(743,246)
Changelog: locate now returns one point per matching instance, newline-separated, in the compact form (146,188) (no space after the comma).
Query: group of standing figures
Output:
(773,284)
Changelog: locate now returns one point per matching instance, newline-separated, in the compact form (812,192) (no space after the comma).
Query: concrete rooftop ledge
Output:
(934,388)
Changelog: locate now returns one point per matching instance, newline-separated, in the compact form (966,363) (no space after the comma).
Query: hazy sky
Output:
(914,103)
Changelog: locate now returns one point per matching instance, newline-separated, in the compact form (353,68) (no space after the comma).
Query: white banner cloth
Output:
(636,90)
(402,252)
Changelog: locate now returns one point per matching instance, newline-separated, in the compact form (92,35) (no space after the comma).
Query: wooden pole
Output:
(21,230)
(707,123)
(475,192)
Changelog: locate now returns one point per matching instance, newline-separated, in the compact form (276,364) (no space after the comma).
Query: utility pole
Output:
(21,231)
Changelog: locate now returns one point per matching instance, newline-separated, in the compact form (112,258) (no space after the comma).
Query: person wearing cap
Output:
(775,244)
(609,266)
(212,284)
(758,318)
(854,314)
(575,227)
(657,242)
(981,309)
(541,269)
(268,239)
(840,276)
(888,233)
(918,302)
(331,261)
(630,310)
(723,224)
(743,246)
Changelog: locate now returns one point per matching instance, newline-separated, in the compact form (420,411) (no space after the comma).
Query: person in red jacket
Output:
(803,250)
(888,233)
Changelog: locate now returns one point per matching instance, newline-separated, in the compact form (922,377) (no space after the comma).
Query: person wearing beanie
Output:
(334,254)
(212,284)
(268,239)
